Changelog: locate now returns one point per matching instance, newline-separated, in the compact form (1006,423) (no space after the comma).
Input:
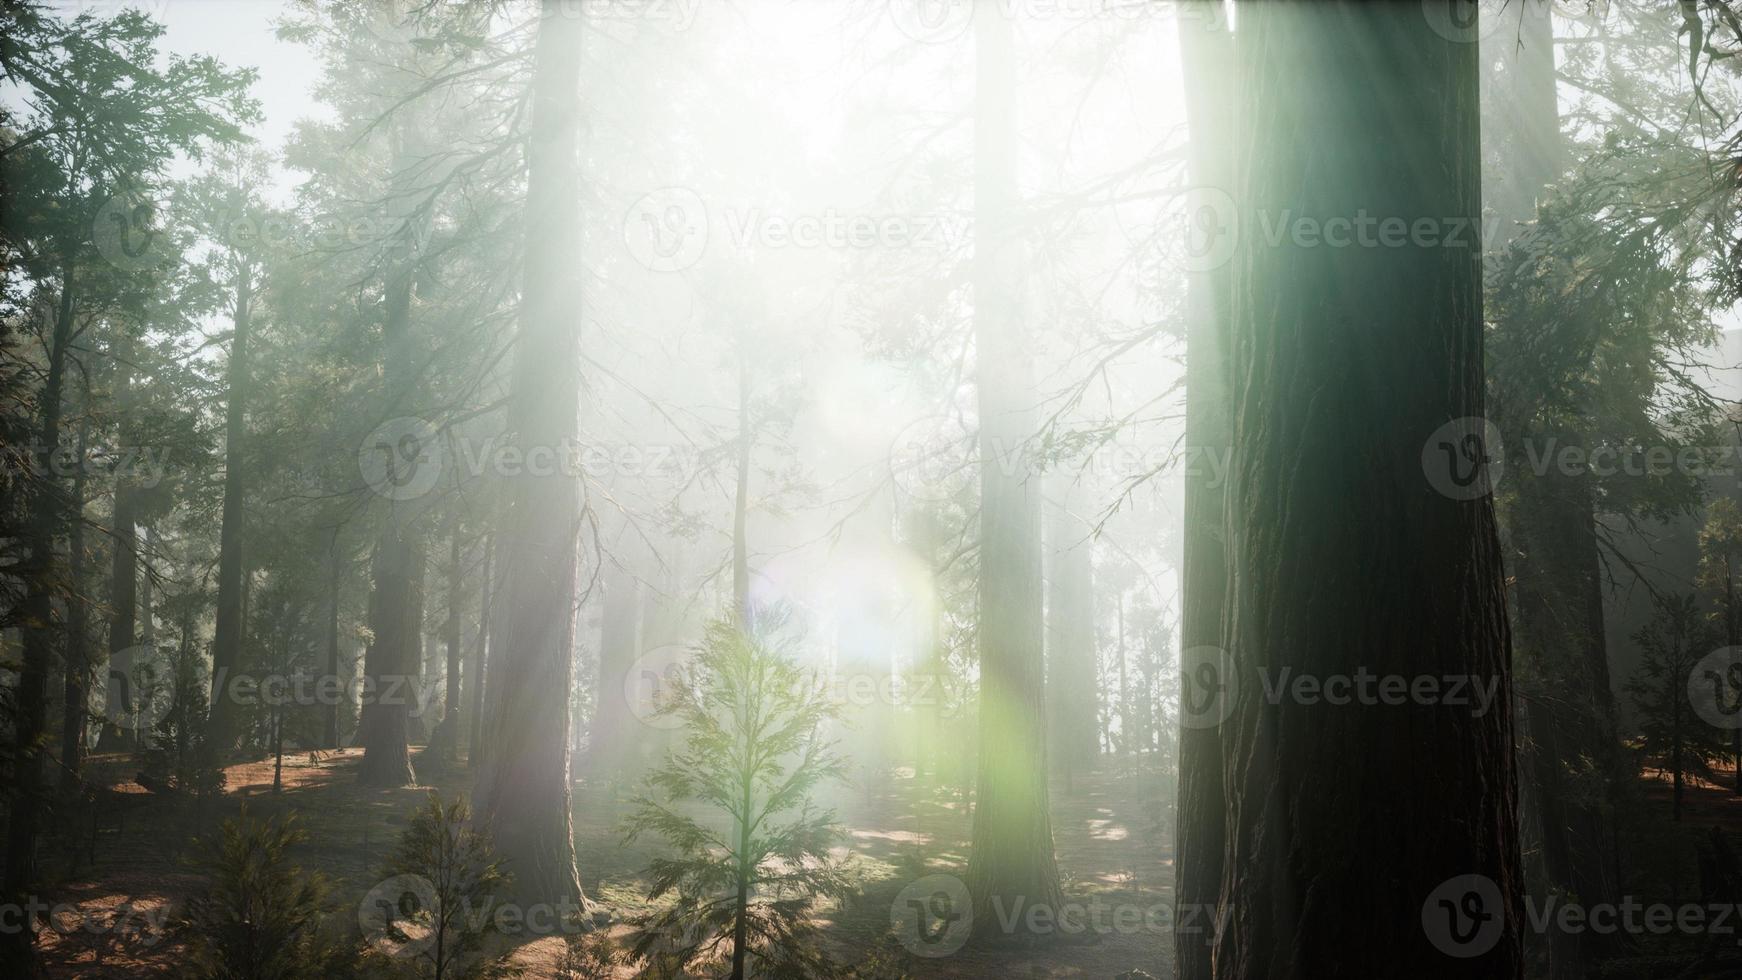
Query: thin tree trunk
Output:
(487,592)
(741,500)
(1344,555)
(1732,637)
(1124,691)
(741,907)
(523,791)
(334,571)
(1011,856)
(456,597)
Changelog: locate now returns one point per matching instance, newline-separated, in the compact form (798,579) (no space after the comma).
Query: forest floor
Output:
(1112,837)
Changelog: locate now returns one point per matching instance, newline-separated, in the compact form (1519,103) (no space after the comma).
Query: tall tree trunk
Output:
(1011,857)
(523,792)
(36,616)
(396,656)
(392,665)
(77,678)
(1206,62)
(227,634)
(741,499)
(613,725)
(486,594)
(1562,648)
(930,745)
(456,602)
(1732,637)
(1124,742)
(123,559)
(330,737)
(1072,676)
(445,745)
(1344,555)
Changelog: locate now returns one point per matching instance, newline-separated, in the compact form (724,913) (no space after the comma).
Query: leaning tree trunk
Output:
(227,633)
(1351,549)
(1206,60)
(1011,856)
(523,791)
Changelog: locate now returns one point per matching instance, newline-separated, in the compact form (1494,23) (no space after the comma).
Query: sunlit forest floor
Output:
(1111,827)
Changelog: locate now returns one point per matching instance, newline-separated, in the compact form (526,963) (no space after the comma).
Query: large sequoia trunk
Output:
(1206,57)
(231,620)
(1011,859)
(523,787)
(1349,823)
